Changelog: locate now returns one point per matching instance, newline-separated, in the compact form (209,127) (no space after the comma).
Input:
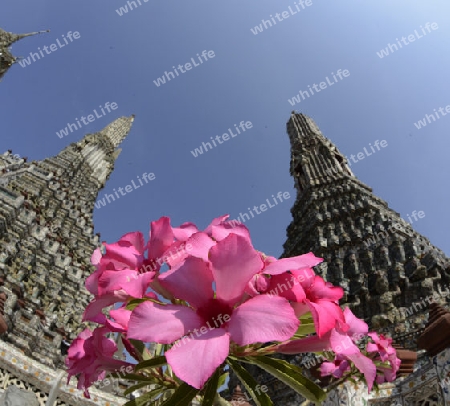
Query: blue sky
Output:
(117,58)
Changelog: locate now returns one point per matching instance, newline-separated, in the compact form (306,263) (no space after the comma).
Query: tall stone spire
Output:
(46,239)
(389,272)
(6,40)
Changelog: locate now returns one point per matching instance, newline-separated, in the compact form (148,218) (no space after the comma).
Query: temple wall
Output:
(428,385)
(26,373)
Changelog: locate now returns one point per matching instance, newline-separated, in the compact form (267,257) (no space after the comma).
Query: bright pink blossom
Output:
(341,342)
(386,353)
(284,277)
(321,299)
(337,368)
(381,344)
(214,318)
(200,242)
(90,356)
(124,266)
(389,374)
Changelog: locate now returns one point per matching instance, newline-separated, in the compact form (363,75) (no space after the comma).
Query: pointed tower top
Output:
(98,150)
(8,38)
(315,160)
(118,130)
(304,125)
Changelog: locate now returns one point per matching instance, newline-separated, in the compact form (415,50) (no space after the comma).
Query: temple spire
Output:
(17,37)
(374,254)
(6,40)
(47,238)
(314,159)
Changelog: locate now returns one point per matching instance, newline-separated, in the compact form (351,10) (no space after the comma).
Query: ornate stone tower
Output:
(46,240)
(389,271)
(6,40)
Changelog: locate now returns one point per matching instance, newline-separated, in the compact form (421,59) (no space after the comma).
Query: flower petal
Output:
(221,231)
(94,309)
(324,290)
(308,344)
(152,322)
(342,344)
(96,256)
(234,262)
(366,366)
(287,286)
(183,232)
(200,245)
(161,237)
(121,318)
(287,264)
(215,222)
(110,281)
(357,327)
(262,319)
(197,359)
(191,282)
(325,315)
(123,254)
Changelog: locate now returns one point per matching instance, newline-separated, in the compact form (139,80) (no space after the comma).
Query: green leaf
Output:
(222,402)
(260,398)
(223,379)
(141,349)
(136,377)
(144,399)
(136,387)
(132,304)
(182,396)
(210,390)
(158,349)
(305,329)
(306,318)
(151,363)
(289,374)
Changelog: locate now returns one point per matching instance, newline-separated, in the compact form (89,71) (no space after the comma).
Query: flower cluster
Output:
(213,303)
(378,351)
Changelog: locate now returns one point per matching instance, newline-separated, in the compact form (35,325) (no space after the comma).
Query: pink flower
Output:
(321,299)
(341,341)
(90,356)
(124,265)
(213,319)
(200,242)
(275,279)
(386,353)
(389,374)
(122,258)
(337,368)
(381,344)
(294,279)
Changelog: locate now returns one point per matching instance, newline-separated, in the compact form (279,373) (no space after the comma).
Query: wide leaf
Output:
(151,363)
(144,399)
(131,389)
(260,398)
(289,374)
(182,396)
(210,389)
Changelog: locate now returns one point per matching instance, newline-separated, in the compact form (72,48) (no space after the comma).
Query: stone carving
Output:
(14,396)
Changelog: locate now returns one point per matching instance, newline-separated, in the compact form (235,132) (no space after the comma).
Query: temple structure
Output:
(6,57)
(389,272)
(46,240)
